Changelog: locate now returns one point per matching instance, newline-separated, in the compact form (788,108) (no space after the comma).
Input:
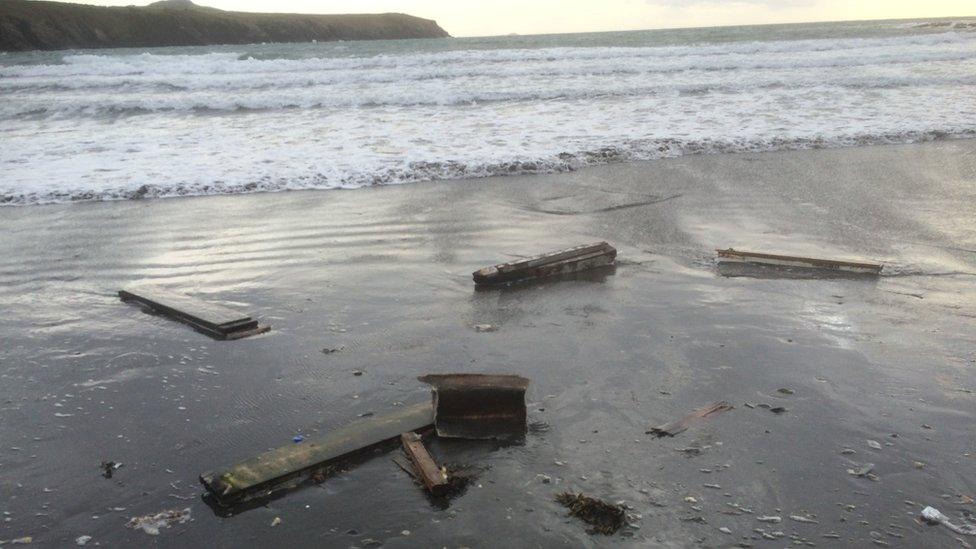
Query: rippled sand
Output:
(383,274)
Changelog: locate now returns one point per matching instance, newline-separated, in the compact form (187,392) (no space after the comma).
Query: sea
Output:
(182,121)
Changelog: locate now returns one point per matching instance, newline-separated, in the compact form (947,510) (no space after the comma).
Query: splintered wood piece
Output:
(678,426)
(211,319)
(289,465)
(739,256)
(434,479)
(572,260)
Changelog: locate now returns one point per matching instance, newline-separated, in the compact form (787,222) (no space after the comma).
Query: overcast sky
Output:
(489,17)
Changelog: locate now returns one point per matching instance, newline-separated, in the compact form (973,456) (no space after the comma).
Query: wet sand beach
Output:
(382,276)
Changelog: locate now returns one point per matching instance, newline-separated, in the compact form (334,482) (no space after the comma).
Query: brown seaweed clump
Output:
(603,518)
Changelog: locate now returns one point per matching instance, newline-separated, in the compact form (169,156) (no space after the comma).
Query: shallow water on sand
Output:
(383,275)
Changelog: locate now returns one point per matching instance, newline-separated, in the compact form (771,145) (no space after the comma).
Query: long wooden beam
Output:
(286,466)
(739,256)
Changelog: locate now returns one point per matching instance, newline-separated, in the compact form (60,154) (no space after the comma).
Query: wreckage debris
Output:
(737,256)
(478,406)
(109,467)
(434,478)
(675,427)
(932,515)
(572,260)
(288,466)
(151,524)
(603,518)
(473,406)
(216,321)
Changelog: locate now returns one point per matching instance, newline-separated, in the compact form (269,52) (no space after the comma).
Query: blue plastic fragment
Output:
(298,438)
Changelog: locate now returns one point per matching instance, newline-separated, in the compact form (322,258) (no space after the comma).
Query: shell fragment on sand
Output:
(289,465)
(571,260)
(478,406)
(738,256)
(214,320)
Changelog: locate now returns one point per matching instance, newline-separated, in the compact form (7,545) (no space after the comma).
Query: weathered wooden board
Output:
(478,406)
(262,475)
(212,319)
(433,477)
(678,426)
(571,260)
(738,256)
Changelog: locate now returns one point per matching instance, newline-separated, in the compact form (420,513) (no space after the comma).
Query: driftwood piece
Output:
(478,406)
(288,466)
(211,319)
(571,260)
(739,256)
(678,426)
(433,477)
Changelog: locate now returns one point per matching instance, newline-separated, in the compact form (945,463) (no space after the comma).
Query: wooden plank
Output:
(571,260)
(214,320)
(796,261)
(283,467)
(433,477)
(678,426)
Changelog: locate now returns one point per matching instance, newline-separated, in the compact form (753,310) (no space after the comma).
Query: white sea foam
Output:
(110,126)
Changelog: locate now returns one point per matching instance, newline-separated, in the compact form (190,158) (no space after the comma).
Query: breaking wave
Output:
(123,125)
(415,172)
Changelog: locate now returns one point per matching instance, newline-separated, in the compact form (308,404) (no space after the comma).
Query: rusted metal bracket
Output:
(478,406)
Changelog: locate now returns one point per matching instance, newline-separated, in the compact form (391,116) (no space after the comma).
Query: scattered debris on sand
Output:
(603,518)
(151,524)
(109,468)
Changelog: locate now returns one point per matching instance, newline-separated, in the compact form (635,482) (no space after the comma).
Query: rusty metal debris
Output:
(478,406)
(738,256)
(571,260)
(216,321)
(673,428)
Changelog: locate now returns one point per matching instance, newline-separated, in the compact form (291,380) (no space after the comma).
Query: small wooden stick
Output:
(434,479)
(678,426)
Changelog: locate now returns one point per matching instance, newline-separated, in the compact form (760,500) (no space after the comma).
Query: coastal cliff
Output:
(39,25)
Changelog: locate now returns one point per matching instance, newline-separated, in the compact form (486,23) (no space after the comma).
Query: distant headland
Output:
(40,25)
